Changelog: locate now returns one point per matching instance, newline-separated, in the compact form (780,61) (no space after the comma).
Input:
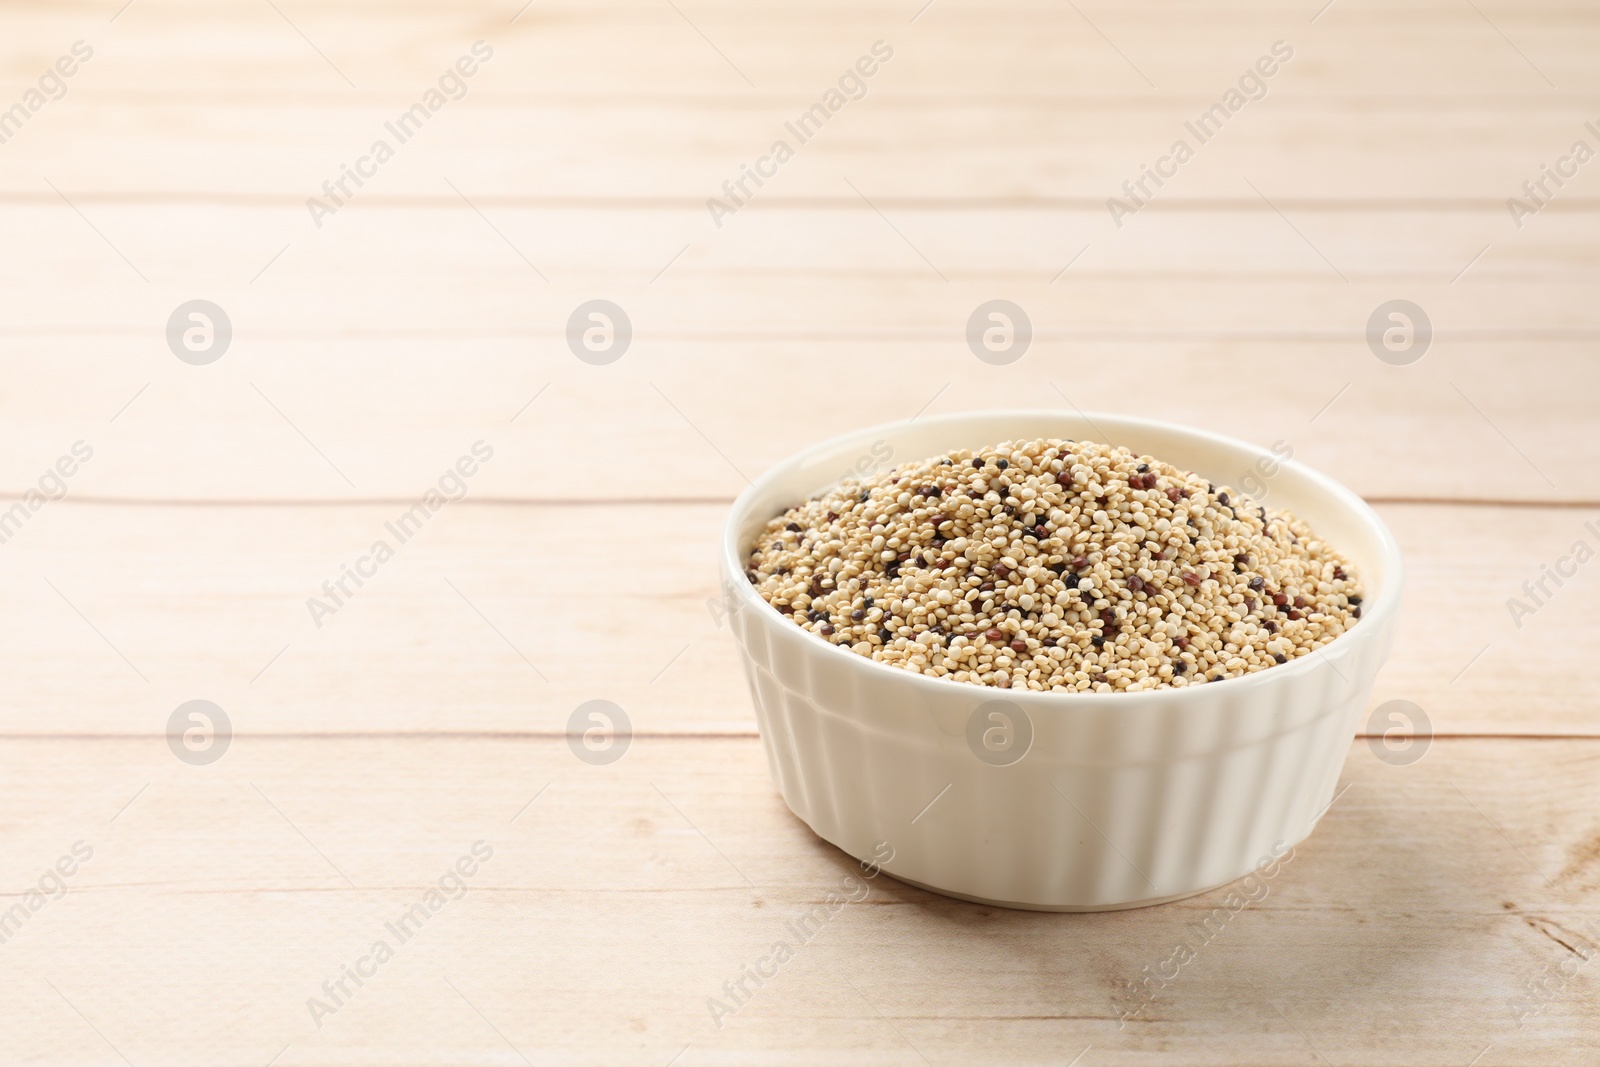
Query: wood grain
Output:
(370,753)
(501,619)
(389,370)
(621,900)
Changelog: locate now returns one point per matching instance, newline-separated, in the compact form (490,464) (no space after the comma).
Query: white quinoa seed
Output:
(1055,565)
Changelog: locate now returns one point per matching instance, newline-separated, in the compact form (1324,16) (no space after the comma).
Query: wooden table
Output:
(1443,913)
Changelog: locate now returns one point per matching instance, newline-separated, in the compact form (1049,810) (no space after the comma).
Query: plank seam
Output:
(1174,206)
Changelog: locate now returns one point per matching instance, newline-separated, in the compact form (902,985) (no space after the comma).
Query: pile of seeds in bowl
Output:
(1055,565)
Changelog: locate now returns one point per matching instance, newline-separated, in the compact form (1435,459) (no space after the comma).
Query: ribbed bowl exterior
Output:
(1120,799)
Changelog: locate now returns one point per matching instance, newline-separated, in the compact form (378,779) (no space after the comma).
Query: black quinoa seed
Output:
(993,504)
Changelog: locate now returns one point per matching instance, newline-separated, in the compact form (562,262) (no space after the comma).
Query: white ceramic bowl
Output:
(1055,801)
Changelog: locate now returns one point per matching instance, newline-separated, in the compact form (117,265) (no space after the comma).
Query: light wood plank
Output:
(617,904)
(630,100)
(390,366)
(898,150)
(368,754)
(609,601)
(695,419)
(380,254)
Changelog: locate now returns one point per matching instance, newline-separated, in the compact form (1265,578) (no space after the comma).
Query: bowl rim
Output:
(1376,618)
